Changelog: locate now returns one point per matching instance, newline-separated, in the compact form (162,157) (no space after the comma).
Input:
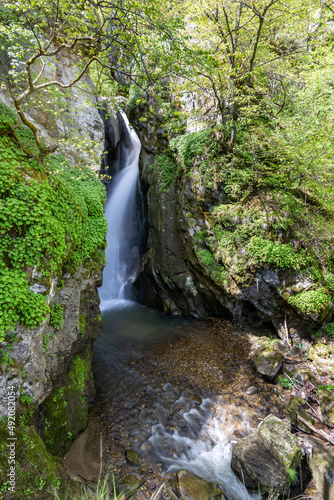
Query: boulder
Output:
(321,464)
(130,485)
(268,360)
(192,487)
(267,457)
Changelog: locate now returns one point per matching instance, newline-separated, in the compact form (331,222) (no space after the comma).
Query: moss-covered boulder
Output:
(268,457)
(65,411)
(268,360)
(322,356)
(36,473)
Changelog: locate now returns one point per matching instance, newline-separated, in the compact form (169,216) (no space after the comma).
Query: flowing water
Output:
(169,388)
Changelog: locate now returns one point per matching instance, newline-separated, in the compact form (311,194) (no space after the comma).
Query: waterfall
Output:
(121,254)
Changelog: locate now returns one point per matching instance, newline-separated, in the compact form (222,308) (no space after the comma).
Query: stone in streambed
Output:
(267,457)
(268,360)
(192,487)
(130,485)
(131,457)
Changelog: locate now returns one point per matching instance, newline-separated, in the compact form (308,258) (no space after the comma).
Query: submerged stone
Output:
(268,457)
(192,487)
(130,485)
(132,457)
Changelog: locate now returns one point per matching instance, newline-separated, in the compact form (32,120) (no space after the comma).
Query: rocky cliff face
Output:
(46,382)
(186,271)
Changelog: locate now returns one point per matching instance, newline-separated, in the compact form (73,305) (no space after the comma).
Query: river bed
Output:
(178,392)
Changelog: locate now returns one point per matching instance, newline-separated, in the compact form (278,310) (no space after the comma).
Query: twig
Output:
(159,491)
(262,421)
(320,432)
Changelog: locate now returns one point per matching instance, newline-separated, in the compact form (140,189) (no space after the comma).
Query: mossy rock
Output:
(66,409)
(37,474)
(130,484)
(268,457)
(268,361)
(192,487)
(132,457)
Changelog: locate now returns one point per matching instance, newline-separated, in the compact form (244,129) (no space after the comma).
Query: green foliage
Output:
(189,146)
(329,329)
(215,270)
(26,399)
(19,304)
(293,475)
(312,301)
(326,387)
(82,324)
(50,216)
(168,171)
(286,383)
(56,316)
(135,98)
(329,281)
(269,252)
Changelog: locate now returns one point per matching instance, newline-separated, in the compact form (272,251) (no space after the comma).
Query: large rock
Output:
(267,457)
(192,487)
(268,360)
(321,464)
(41,357)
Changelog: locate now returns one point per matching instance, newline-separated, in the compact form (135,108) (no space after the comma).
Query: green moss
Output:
(215,270)
(51,216)
(38,474)
(312,301)
(168,171)
(56,316)
(82,323)
(272,253)
(66,409)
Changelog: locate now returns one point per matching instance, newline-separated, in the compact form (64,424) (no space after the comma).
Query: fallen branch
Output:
(320,433)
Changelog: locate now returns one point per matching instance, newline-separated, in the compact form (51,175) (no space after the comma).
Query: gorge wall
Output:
(52,257)
(209,253)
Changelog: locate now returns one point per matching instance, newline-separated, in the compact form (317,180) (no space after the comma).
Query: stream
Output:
(175,392)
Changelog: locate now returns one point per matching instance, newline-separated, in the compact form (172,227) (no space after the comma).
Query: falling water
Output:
(129,328)
(119,213)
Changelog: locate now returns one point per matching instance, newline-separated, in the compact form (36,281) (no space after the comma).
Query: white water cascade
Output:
(118,211)
(202,447)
